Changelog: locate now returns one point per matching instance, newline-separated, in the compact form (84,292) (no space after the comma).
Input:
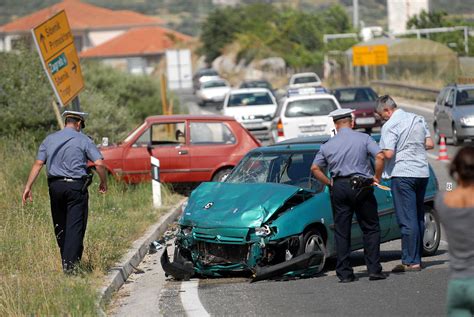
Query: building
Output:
(400,11)
(122,38)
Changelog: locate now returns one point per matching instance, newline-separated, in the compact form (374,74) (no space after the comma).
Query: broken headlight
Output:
(186,230)
(263,231)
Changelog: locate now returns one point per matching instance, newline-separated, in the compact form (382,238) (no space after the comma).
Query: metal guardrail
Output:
(428,92)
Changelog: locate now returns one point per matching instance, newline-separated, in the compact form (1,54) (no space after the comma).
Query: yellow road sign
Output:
(55,44)
(369,55)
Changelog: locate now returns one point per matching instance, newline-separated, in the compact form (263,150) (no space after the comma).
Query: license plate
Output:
(312,128)
(370,120)
(252,125)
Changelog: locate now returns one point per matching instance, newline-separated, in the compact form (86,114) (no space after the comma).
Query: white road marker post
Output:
(155,181)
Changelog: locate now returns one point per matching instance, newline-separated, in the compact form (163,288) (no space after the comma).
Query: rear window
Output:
(355,95)
(250,99)
(465,97)
(213,84)
(304,80)
(310,107)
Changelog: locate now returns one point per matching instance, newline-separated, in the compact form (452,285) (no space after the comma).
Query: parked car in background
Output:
(201,75)
(261,83)
(364,101)
(304,80)
(212,91)
(253,107)
(454,113)
(271,217)
(304,114)
(191,148)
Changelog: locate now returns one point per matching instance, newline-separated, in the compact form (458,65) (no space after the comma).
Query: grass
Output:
(31,279)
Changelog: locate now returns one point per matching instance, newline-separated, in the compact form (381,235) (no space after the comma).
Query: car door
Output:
(169,141)
(211,145)
(136,158)
(444,115)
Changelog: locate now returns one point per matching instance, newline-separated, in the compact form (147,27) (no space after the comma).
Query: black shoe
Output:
(377,276)
(349,279)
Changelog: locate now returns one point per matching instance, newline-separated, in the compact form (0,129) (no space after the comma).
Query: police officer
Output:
(346,155)
(66,154)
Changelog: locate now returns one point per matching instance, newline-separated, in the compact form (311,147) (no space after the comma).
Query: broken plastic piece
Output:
(177,270)
(154,247)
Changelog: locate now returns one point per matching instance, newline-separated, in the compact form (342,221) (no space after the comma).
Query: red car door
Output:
(211,145)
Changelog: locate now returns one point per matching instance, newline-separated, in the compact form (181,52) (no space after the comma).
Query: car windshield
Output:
(310,107)
(305,80)
(283,168)
(256,84)
(214,84)
(208,72)
(465,97)
(250,99)
(355,95)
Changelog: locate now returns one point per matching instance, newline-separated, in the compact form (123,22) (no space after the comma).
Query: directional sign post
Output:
(55,44)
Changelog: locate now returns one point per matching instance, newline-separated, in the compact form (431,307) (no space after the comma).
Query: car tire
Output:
(221,175)
(455,138)
(313,241)
(432,234)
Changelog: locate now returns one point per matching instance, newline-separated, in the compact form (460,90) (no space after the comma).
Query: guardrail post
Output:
(155,181)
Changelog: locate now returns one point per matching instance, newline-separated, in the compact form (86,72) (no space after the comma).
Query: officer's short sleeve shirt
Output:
(67,152)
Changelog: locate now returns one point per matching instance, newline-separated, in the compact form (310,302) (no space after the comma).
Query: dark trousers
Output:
(345,202)
(408,199)
(69,208)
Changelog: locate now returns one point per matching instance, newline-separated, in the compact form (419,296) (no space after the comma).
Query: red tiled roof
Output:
(137,41)
(82,16)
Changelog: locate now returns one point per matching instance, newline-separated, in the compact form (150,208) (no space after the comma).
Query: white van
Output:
(254,108)
(303,115)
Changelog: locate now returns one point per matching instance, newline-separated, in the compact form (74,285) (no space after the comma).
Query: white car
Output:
(254,108)
(212,91)
(304,80)
(303,115)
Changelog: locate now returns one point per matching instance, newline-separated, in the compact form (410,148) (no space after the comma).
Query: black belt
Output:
(64,179)
(342,177)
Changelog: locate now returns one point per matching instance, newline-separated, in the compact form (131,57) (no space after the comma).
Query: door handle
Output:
(183,152)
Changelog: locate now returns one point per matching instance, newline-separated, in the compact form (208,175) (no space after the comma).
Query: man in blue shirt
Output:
(404,141)
(66,154)
(347,156)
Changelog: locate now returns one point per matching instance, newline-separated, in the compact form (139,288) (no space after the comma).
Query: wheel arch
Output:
(319,227)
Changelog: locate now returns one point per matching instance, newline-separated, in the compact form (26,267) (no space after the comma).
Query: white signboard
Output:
(179,70)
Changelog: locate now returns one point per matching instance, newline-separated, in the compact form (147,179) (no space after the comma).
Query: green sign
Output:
(58,63)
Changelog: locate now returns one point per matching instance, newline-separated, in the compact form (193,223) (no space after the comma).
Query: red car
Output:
(191,148)
(363,101)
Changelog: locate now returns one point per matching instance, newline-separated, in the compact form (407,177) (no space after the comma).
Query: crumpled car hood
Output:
(230,205)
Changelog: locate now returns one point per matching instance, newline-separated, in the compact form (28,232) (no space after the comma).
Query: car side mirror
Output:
(448,104)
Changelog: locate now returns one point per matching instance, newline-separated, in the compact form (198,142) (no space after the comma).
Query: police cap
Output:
(76,115)
(341,113)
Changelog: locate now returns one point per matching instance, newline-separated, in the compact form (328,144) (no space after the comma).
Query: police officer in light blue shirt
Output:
(404,141)
(66,154)
(347,157)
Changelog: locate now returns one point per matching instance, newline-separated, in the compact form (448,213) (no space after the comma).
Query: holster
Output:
(87,182)
(360,182)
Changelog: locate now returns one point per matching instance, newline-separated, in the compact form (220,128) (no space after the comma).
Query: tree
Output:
(426,20)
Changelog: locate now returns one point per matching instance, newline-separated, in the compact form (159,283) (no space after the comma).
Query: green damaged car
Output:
(271,218)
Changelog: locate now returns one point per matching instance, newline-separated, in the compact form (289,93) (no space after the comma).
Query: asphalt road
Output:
(148,293)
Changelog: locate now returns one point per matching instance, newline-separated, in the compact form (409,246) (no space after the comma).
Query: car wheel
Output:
(432,234)
(313,241)
(437,137)
(456,140)
(221,175)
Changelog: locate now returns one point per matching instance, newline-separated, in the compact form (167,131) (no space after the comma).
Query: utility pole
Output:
(355,14)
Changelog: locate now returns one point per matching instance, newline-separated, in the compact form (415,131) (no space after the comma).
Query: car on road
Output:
(202,75)
(254,108)
(271,217)
(303,114)
(191,148)
(304,80)
(454,113)
(212,91)
(260,83)
(364,101)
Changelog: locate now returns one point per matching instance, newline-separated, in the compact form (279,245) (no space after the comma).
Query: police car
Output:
(254,108)
(303,112)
